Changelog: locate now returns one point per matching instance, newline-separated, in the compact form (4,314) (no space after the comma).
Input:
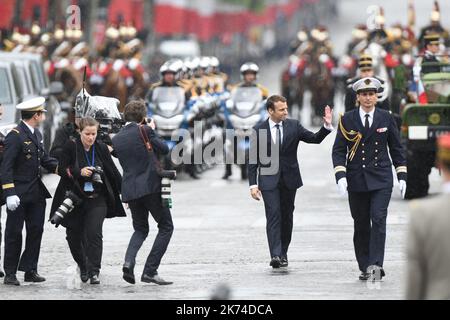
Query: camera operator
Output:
(71,131)
(86,169)
(141,189)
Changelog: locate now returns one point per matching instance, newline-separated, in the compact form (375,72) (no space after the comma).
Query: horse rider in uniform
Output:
(429,60)
(365,70)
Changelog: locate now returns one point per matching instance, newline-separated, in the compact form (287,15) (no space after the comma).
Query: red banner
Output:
(178,17)
(28,10)
(130,11)
(6,13)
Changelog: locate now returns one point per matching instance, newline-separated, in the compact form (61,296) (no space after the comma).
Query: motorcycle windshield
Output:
(169,101)
(247,101)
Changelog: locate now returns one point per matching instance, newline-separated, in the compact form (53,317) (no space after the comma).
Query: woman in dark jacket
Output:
(100,200)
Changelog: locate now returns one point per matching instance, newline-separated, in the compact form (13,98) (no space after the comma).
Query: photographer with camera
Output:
(88,192)
(137,147)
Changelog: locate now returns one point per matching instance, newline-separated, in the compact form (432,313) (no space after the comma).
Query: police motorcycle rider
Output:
(249,75)
(219,79)
(170,73)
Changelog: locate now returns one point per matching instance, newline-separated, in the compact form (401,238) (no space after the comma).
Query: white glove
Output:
(12,202)
(402,187)
(342,187)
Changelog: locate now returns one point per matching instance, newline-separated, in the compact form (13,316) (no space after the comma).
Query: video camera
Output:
(103,109)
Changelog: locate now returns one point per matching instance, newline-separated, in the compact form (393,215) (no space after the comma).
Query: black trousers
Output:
(139,212)
(85,235)
(279,206)
(369,213)
(33,215)
(1,235)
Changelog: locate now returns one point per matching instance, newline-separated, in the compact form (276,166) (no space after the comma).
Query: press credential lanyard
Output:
(88,187)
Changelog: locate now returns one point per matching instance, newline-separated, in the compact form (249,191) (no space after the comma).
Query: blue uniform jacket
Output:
(371,167)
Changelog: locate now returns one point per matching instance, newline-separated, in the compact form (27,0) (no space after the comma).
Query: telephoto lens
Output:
(65,208)
(166,187)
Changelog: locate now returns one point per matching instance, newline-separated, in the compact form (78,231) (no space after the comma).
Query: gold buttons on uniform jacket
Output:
(363,159)
(376,151)
(364,165)
(362,151)
(376,164)
(376,142)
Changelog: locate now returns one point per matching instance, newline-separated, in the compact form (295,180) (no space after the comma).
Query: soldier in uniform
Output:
(365,70)
(435,27)
(2,200)
(25,193)
(363,168)
(249,75)
(432,49)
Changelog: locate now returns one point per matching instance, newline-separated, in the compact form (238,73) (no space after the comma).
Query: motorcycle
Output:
(244,110)
(168,109)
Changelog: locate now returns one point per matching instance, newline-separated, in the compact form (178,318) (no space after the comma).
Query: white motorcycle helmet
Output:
(214,62)
(249,67)
(172,66)
(205,63)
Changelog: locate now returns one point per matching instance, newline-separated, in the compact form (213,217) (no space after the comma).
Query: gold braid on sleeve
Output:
(351,136)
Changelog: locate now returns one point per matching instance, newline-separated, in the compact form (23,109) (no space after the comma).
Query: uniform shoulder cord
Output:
(356,139)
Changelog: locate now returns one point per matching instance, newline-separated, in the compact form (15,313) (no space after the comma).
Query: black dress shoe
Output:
(275,262)
(11,280)
(2,274)
(84,275)
(128,273)
(33,276)
(155,279)
(95,279)
(364,276)
(284,262)
(226,176)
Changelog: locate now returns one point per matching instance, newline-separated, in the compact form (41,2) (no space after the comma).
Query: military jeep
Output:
(421,125)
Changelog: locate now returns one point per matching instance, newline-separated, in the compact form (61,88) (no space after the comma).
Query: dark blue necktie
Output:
(366,123)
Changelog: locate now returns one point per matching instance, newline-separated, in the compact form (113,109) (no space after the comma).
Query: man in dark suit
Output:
(277,178)
(141,189)
(366,137)
(25,193)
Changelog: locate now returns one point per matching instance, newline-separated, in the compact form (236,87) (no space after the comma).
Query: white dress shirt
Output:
(362,115)
(273,130)
(29,127)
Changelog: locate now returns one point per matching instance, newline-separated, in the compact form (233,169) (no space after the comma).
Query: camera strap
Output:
(149,147)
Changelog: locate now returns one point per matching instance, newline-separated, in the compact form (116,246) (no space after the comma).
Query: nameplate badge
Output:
(381,130)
